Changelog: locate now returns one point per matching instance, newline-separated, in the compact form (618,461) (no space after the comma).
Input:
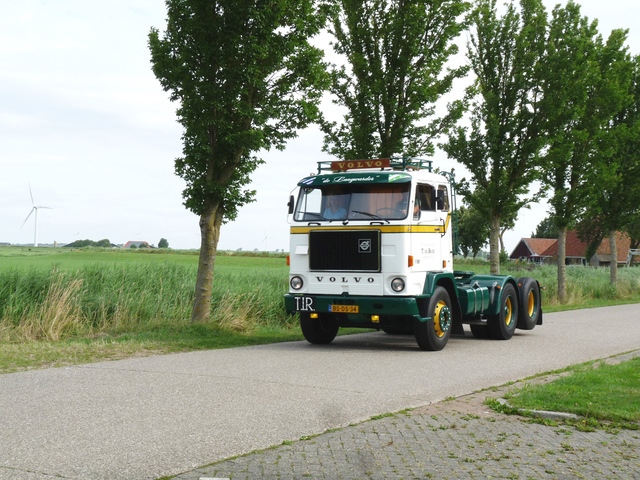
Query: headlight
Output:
(296,283)
(397,284)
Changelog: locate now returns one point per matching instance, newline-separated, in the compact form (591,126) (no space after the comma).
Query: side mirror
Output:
(290,204)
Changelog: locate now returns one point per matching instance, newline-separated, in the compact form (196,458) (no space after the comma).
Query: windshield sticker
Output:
(353,179)
(398,176)
(361,178)
(307,181)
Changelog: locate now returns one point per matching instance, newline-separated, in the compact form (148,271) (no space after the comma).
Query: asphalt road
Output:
(148,417)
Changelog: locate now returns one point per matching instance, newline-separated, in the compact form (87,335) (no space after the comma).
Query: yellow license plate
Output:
(345,308)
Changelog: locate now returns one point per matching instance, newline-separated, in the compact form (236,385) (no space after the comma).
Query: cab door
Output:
(425,239)
(445,226)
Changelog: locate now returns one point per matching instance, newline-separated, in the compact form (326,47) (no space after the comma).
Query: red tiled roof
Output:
(539,246)
(623,243)
(575,246)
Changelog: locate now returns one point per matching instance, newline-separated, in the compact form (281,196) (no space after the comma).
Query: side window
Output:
(309,206)
(425,197)
(443,193)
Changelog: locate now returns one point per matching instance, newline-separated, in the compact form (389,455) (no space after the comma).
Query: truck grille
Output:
(344,251)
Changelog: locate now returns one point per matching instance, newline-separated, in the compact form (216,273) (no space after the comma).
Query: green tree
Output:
(546,229)
(573,84)
(501,146)
(396,53)
(614,190)
(246,78)
(473,231)
(105,243)
(163,243)
(633,229)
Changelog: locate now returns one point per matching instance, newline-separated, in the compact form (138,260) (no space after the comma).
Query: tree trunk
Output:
(562,264)
(210,223)
(502,249)
(494,245)
(613,267)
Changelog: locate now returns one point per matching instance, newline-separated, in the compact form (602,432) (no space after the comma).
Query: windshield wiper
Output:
(372,215)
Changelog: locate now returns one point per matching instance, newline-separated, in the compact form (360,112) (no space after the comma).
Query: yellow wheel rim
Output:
(442,318)
(531,306)
(508,311)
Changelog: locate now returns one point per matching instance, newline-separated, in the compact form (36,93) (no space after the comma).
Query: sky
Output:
(87,130)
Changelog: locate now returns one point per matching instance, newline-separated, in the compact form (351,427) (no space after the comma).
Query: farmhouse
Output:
(545,250)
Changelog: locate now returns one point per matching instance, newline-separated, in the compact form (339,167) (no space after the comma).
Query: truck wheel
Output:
(530,303)
(319,331)
(434,334)
(502,325)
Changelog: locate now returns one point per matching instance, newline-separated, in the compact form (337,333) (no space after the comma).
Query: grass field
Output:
(71,293)
(62,307)
(102,303)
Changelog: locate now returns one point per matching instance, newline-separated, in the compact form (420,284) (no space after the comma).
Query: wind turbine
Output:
(265,240)
(34,209)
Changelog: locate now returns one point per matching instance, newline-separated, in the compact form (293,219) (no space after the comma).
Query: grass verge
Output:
(32,354)
(603,395)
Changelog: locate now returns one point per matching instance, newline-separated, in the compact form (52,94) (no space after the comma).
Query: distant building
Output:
(535,250)
(602,257)
(545,250)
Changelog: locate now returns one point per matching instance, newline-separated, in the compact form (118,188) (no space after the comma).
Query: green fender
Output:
(448,281)
(493,283)
(456,284)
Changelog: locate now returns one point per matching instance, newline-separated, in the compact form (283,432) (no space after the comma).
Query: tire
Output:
(479,331)
(502,325)
(319,331)
(530,303)
(433,334)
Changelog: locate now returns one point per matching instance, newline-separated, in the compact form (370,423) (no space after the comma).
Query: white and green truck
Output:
(371,246)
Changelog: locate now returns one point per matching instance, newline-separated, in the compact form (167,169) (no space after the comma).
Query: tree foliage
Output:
(246,78)
(473,231)
(396,53)
(573,83)
(546,229)
(163,243)
(633,229)
(614,190)
(104,243)
(572,87)
(501,146)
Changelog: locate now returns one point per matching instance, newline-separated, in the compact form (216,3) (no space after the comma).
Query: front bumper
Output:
(366,306)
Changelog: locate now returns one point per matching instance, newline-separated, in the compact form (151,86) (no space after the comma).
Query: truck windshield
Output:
(353,202)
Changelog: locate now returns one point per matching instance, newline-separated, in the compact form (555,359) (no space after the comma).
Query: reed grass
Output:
(134,297)
(103,298)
